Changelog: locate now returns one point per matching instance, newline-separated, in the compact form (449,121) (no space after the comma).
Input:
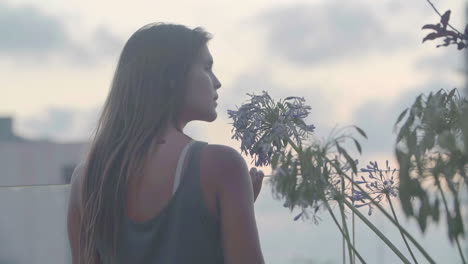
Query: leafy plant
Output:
(431,149)
(450,36)
(310,176)
(432,152)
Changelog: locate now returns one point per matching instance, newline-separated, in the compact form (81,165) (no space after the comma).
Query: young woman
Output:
(148,193)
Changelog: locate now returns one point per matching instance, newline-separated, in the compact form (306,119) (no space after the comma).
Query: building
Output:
(30,162)
(33,220)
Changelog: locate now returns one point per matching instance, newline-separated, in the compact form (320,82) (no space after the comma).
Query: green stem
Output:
(354,231)
(294,146)
(449,216)
(411,238)
(460,250)
(343,250)
(341,230)
(377,232)
(345,225)
(401,232)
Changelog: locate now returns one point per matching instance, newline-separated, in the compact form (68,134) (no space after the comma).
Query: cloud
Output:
(26,30)
(29,34)
(60,124)
(102,44)
(378,116)
(330,31)
(254,81)
(449,59)
(107,43)
(410,8)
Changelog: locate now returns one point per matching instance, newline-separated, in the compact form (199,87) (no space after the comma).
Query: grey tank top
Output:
(183,232)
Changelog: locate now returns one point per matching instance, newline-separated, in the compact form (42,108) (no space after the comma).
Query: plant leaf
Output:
(422,217)
(435,210)
(432,36)
(403,131)
(431,26)
(361,131)
(466,32)
(445,18)
(452,93)
(349,159)
(298,216)
(400,117)
(358,146)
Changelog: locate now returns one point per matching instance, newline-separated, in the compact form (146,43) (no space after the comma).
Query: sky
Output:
(355,63)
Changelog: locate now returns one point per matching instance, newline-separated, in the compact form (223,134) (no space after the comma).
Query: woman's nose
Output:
(217,83)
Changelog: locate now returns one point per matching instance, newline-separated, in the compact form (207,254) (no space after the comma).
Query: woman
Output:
(148,193)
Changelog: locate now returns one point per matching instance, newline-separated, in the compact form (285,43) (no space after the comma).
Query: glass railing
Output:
(33,230)
(33,224)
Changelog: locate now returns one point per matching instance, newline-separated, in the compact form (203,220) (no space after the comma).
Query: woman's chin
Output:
(214,116)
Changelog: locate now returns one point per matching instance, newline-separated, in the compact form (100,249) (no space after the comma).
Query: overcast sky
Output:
(355,62)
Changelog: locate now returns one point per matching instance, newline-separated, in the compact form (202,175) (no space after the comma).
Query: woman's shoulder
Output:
(222,157)
(224,163)
(77,185)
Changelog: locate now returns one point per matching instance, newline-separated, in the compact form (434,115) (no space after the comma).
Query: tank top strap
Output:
(180,165)
(188,162)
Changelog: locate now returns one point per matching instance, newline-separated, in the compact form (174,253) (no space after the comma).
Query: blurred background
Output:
(355,62)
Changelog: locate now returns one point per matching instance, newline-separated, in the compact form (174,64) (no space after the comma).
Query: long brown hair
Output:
(147,91)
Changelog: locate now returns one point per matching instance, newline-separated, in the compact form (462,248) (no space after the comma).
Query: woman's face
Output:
(202,89)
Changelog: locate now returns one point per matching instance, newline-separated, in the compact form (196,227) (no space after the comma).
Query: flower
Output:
(264,126)
(380,184)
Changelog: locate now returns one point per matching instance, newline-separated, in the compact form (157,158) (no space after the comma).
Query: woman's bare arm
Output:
(74,216)
(241,241)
